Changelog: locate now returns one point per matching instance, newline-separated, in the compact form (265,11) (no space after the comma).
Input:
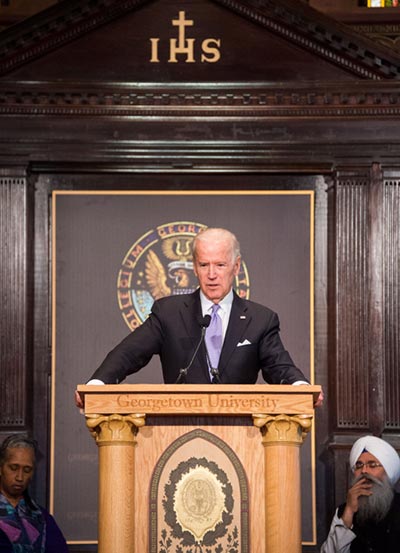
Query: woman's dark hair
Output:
(16,440)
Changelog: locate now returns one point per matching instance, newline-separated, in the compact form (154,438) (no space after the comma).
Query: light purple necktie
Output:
(214,337)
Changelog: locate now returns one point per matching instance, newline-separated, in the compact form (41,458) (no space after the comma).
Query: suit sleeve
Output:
(134,352)
(275,362)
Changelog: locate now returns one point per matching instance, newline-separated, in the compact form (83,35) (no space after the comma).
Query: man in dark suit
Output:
(250,339)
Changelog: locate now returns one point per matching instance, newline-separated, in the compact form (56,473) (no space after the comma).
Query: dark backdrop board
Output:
(99,238)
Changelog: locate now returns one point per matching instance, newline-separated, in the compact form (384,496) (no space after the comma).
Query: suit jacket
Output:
(172,331)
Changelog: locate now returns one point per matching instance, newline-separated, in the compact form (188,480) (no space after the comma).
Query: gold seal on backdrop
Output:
(199,502)
(159,264)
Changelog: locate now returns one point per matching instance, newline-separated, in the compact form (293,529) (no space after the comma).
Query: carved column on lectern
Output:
(282,437)
(116,437)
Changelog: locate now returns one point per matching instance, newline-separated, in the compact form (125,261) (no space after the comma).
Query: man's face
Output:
(376,471)
(16,473)
(374,507)
(215,268)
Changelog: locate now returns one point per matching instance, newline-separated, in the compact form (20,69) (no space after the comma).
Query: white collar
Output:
(225,303)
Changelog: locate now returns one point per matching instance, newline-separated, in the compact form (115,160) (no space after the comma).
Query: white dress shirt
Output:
(224,311)
(339,538)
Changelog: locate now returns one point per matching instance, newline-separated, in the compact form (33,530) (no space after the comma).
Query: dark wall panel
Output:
(391,267)
(351,373)
(15,396)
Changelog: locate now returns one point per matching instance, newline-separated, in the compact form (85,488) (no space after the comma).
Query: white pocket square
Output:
(244,343)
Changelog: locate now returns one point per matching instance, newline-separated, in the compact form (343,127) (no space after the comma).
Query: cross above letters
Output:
(182,23)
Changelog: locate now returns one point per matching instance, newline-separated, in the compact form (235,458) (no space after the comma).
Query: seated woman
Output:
(24,525)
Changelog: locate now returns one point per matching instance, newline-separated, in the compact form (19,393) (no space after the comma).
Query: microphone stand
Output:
(204,322)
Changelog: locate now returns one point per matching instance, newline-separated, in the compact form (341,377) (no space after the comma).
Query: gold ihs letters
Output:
(210,52)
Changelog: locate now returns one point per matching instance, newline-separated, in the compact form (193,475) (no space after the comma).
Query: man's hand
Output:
(320,399)
(78,400)
(360,488)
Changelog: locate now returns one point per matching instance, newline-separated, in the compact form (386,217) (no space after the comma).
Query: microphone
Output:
(203,323)
(215,376)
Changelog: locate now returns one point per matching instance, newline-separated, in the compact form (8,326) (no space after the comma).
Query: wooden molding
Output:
(219,101)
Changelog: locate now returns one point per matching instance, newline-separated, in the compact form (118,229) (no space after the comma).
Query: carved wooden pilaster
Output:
(278,429)
(391,298)
(349,296)
(15,275)
(375,303)
(365,306)
(364,366)
(282,436)
(114,429)
(116,437)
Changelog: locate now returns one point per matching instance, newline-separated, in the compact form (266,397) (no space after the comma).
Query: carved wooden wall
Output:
(338,137)
(364,311)
(391,302)
(15,344)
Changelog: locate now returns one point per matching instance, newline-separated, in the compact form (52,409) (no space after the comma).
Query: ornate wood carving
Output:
(318,34)
(216,101)
(351,292)
(386,34)
(55,27)
(367,302)
(391,287)
(291,20)
(14,346)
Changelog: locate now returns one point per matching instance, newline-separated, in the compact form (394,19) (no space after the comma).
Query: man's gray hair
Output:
(212,234)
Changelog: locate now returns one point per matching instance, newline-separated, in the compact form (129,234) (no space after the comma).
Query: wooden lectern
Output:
(256,429)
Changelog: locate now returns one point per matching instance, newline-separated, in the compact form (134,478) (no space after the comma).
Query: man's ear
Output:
(237,266)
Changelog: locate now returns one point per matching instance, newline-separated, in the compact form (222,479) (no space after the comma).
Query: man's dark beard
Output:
(373,508)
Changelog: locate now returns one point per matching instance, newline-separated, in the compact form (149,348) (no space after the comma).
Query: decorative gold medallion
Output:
(199,502)
(198,507)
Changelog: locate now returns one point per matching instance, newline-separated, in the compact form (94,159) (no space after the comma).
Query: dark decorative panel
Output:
(391,257)
(289,21)
(386,34)
(352,302)
(222,101)
(316,36)
(13,287)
